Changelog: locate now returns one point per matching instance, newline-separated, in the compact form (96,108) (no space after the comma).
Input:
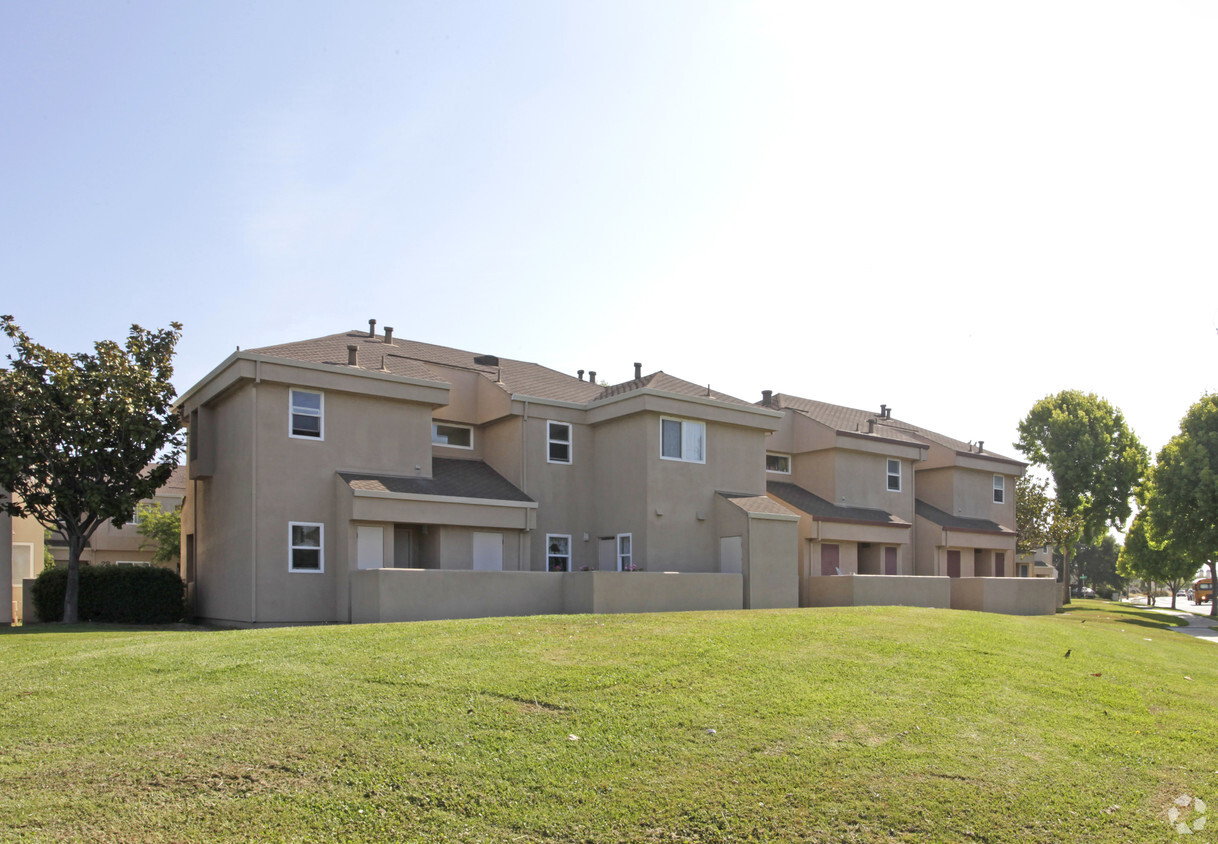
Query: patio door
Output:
(1000,564)
(829,559)
(890,560)
(369,547)
(953,563)
(488,552)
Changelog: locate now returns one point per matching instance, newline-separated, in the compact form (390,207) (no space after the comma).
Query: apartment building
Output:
(362,477)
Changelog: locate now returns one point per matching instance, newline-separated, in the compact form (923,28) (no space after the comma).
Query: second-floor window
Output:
(681,439)
(307,416)
(454,436)
(778,463)
(558,442)
(1000,489)
(894,475)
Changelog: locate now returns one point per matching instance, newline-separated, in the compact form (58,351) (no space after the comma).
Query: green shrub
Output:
(115,594)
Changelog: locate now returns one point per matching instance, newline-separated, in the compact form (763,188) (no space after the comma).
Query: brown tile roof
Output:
(757,504)
(823,510)
(426,361)
(666,383)
(851,420)
(947,520)
(450,478)
(176,485)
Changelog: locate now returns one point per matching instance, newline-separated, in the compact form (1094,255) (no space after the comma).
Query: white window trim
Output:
(569,443)
(786,457)
(30,573)
(683,423)
(1000,489)
(629,536)
(321,548)
(435,433)
(889,474)
(548,555)
(321,415)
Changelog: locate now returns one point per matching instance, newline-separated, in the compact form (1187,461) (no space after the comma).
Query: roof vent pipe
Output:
(767,398)
(353,356)
(883,411)
(371,328)
(871,426)
(980,446)
(591,376)
(581,375)
(389,334)
(638,370)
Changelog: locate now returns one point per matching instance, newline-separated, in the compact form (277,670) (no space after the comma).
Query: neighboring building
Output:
(110,545)
(21,558)
(882,496)
(359,477)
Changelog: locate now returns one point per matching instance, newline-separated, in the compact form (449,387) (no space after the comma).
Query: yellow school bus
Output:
(1203,591)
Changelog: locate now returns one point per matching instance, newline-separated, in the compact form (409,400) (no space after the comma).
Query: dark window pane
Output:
(306,558)
(560,452)
(671,434)
(306,426)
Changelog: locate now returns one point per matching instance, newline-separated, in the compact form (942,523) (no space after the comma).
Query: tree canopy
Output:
(163,531)
(86,436)
(1095,460)
(1155,562)
(1182,496)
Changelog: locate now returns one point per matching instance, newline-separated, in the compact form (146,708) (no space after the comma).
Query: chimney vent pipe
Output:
(371,328)
(883,411)
(389,335)
(591,376)
(581,375)
(767,398)
(980,446)
(353,356)
(638,370)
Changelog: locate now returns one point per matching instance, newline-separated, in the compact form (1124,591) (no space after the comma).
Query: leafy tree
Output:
(1097,564)
(1154,561)
(1033,514)
(163,531)
(1182,496)
(80,430)
(48,558)
(1094,458)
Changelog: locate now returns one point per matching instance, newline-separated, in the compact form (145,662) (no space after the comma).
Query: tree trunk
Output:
(1066,574)
(1213,582)
(71,595)
(1150,594)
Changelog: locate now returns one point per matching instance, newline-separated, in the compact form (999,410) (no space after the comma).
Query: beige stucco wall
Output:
(772,563)
(967,492)
(1009,595)
(6,569)
(868,590)
(622,592)
(862,481)
(420,595)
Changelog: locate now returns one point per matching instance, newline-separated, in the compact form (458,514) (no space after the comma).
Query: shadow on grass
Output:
(91,627)
(1122,614)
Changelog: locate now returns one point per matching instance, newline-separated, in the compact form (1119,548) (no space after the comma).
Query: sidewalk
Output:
(1199,626)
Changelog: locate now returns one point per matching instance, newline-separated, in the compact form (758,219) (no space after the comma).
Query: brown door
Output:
(890,560)
(828,559)
(1000,560)
(953,563)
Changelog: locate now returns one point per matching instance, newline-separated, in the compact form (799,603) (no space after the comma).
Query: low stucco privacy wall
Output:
(873,590)
(1008,595)
(384,595)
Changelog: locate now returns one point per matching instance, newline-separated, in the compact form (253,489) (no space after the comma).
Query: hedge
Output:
(115,594)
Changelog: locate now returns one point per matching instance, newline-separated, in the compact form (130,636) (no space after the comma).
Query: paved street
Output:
(1200,626)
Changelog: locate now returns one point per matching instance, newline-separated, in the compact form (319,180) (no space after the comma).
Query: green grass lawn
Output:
(865,724)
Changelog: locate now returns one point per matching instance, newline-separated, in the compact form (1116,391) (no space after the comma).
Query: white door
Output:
(23,561)
(369,547)
(731,554)
(488,552)
(607,553)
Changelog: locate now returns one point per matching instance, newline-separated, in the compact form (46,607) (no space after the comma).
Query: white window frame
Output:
(892,475)
(1000,489)
(550,425)
(435,432)
(684,440)
(785,457)
(565,536)
(320,547)
(307,411)
(624,560)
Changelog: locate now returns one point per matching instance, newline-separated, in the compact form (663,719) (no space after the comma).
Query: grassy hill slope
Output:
(866,724)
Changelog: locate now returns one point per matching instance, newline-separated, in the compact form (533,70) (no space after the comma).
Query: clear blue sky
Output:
(951,208)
